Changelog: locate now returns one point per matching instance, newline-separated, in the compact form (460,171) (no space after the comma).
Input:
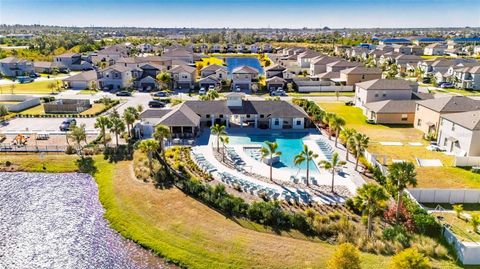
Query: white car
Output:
(202,91)
(434,148)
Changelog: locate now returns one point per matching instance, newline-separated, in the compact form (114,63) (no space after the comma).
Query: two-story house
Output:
(183,76)
(218,71)
(274,71)
(13,67)
(243,77)
(383,89)
(359,74)
(73,61)
(459,133)
(115,77)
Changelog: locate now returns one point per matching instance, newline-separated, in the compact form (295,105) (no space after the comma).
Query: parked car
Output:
(123,93)
(278,92)
(370,121)
(426,80)
(156,104)
(237,89)
(349,103)
(202,91)
(67,124)
(161,94)
(434,148)
(211,87)
(446,85)
(25,79)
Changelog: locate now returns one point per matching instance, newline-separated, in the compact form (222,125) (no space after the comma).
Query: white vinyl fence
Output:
(468,252)
(449,196)
(467,161)
(325,88)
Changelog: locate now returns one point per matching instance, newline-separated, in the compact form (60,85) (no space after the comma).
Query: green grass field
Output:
(37,87)
(312,94)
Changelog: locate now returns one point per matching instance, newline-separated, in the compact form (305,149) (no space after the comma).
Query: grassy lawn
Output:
(184,230)
(39,110)
(460,227)
(377,132)
(37,87)
(86,91)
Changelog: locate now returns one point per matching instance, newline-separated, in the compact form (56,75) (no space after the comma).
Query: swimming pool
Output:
(234,62)
(290,144)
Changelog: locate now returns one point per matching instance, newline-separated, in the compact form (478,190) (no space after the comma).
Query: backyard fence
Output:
(372,159)
(467,252)
(467,161)
(28,149)
(325,88)
(449,196)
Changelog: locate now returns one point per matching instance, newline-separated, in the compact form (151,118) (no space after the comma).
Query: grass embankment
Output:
(447,176)
(313,94)
(36,87)
(185,230)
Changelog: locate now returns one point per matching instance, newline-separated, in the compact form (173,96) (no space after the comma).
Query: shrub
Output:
(70,150)
(458,209)
(345,257)
(424,223)
(405,216)
(8,163)
(410,258)
(397,233)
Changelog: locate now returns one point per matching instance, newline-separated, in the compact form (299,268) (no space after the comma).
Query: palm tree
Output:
(103,123)
(165,78)
(218,130)
(326,122)
(332,165)
(358,143)
(400,176)
(305,155)
(370,199)
(149,147)
(336,123)
(225,140)
(78,135)
(161,133)
(211,95)
(347,134)
(117,127)
(270,150)
(129,119)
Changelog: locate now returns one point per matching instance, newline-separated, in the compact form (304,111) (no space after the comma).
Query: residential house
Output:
(115,77)
(459,133)
(110,54)
(274,71)
(399,41)
(254,48)
(304,59)
(340,65)
(49,67)
(267,47)
(14,67)
(183,76)
(180,54)
(435,49)
(319,65)
(145,76)
(403,59)
(81,81)
(358,74)
(383,89)
(215,70)
(385,48)
(73,61)
(216,48)
(391,111)
(340,49)
(428,40)
(274,83)
(243,77)
(428,112)
(401,49)
(211,80)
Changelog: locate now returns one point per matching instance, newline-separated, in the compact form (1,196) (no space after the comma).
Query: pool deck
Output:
(348,177)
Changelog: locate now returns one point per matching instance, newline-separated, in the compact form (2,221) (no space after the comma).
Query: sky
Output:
(244,13)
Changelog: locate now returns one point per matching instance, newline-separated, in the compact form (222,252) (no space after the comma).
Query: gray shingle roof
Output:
(361,70)
(451,104)
(392,106)
(385,84)
(181,116)
(469,119)
(213,67)
(245,70)
(83,76)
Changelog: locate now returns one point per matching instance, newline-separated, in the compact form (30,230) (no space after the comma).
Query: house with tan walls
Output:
(383,89)
(428,112)
(391,111)
(359,74)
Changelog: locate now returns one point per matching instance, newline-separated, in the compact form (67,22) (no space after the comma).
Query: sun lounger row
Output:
(234,157)
(325,148)
(203,163)
(303,180)
(248,186)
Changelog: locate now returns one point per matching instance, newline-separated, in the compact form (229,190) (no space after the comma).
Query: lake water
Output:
(234,62)
(56,221)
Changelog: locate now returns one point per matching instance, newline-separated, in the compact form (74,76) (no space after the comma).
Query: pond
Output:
(234,62)
(56,221)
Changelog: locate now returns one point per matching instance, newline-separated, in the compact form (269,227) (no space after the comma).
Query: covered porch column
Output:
(212,116)
(227,122)
(241,121)
(256,121)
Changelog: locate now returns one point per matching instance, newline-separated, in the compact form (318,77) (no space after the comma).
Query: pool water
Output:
(234,62)
(290,144)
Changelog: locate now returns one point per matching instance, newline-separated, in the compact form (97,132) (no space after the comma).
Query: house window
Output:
(299,122)
(376,95)
(419,122)
(262,116)
(445,142)
(276,122)
(404,117)
(363,76)
(418,107)
(453,127)
(221,116)
(384,95)
(207,116)
(220,75)
(248,116)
